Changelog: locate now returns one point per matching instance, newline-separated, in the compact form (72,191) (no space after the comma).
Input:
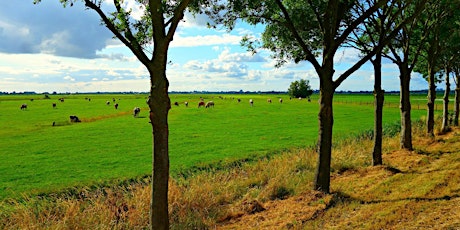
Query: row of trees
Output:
(307,30)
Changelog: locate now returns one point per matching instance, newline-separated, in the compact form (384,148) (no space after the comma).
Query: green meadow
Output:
(111,146)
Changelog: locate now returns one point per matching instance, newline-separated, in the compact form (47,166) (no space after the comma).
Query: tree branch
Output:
(318,16)
(310,56)
(356,23)
(129,42)
(178,15)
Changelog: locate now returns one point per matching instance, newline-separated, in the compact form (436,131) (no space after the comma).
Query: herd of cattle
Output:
(137,110)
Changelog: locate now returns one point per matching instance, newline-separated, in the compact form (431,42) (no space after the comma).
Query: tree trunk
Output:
(430,103)
(457,98)
(378,111)
(159,103)
(445,112)
(405,108)
(326,121)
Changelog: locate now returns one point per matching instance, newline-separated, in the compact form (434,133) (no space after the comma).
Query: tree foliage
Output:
(300,89)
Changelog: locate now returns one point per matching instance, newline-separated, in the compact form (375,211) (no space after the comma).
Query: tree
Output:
(457,93)
(373,34)
(300,88)
(438,53)
(149,38)
(404,52)
(302,31)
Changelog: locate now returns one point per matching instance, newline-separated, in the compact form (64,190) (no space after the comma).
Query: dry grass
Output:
(417,189)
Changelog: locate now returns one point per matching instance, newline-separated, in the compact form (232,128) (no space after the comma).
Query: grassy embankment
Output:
(109,146)
(417,189)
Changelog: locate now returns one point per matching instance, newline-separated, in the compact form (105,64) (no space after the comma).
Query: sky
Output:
(48,48)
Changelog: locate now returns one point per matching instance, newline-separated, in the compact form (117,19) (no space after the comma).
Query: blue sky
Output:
(46,48)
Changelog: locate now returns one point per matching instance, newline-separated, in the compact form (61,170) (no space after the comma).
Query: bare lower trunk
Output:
(457,98)
(445,113)
(456,106)
(378,111)
(430,104)
(405,109)
(326,121)
(159,104)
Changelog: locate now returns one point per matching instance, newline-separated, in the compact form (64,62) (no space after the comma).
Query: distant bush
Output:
(300,88)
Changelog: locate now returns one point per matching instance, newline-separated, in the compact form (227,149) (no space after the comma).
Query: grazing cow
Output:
(251,102)
(186,104)
(54,105)
(107,102)
(269,100)
(201,103)
(281,100)
(209,104)
(239,100)
(136,111)
(116,106)
(176,103)
(24,106)
(74,118)
(61,99)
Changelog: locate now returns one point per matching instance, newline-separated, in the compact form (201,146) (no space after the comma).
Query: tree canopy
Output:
(300,88)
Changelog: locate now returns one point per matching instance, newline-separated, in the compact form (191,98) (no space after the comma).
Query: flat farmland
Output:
(111,146)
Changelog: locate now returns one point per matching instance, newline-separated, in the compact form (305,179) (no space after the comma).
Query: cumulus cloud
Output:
(231,69)
(69,78)
(49,28)
(115,57)
(198,20)
(227,56)
(347,56)
(112,73)
(205,40)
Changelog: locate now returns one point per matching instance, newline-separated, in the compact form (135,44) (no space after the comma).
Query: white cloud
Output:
(227,56)
(205,40)
(112,73)
(198,20)
(47,27)
(69,78)
(347,56)
(137,10)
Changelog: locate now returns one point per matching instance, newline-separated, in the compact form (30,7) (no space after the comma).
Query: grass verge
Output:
(413,189)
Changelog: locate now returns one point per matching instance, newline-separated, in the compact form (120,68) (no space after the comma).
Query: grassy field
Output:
(417,189)
(110,145)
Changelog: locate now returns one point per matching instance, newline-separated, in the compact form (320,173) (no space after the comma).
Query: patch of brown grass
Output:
(106,116)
